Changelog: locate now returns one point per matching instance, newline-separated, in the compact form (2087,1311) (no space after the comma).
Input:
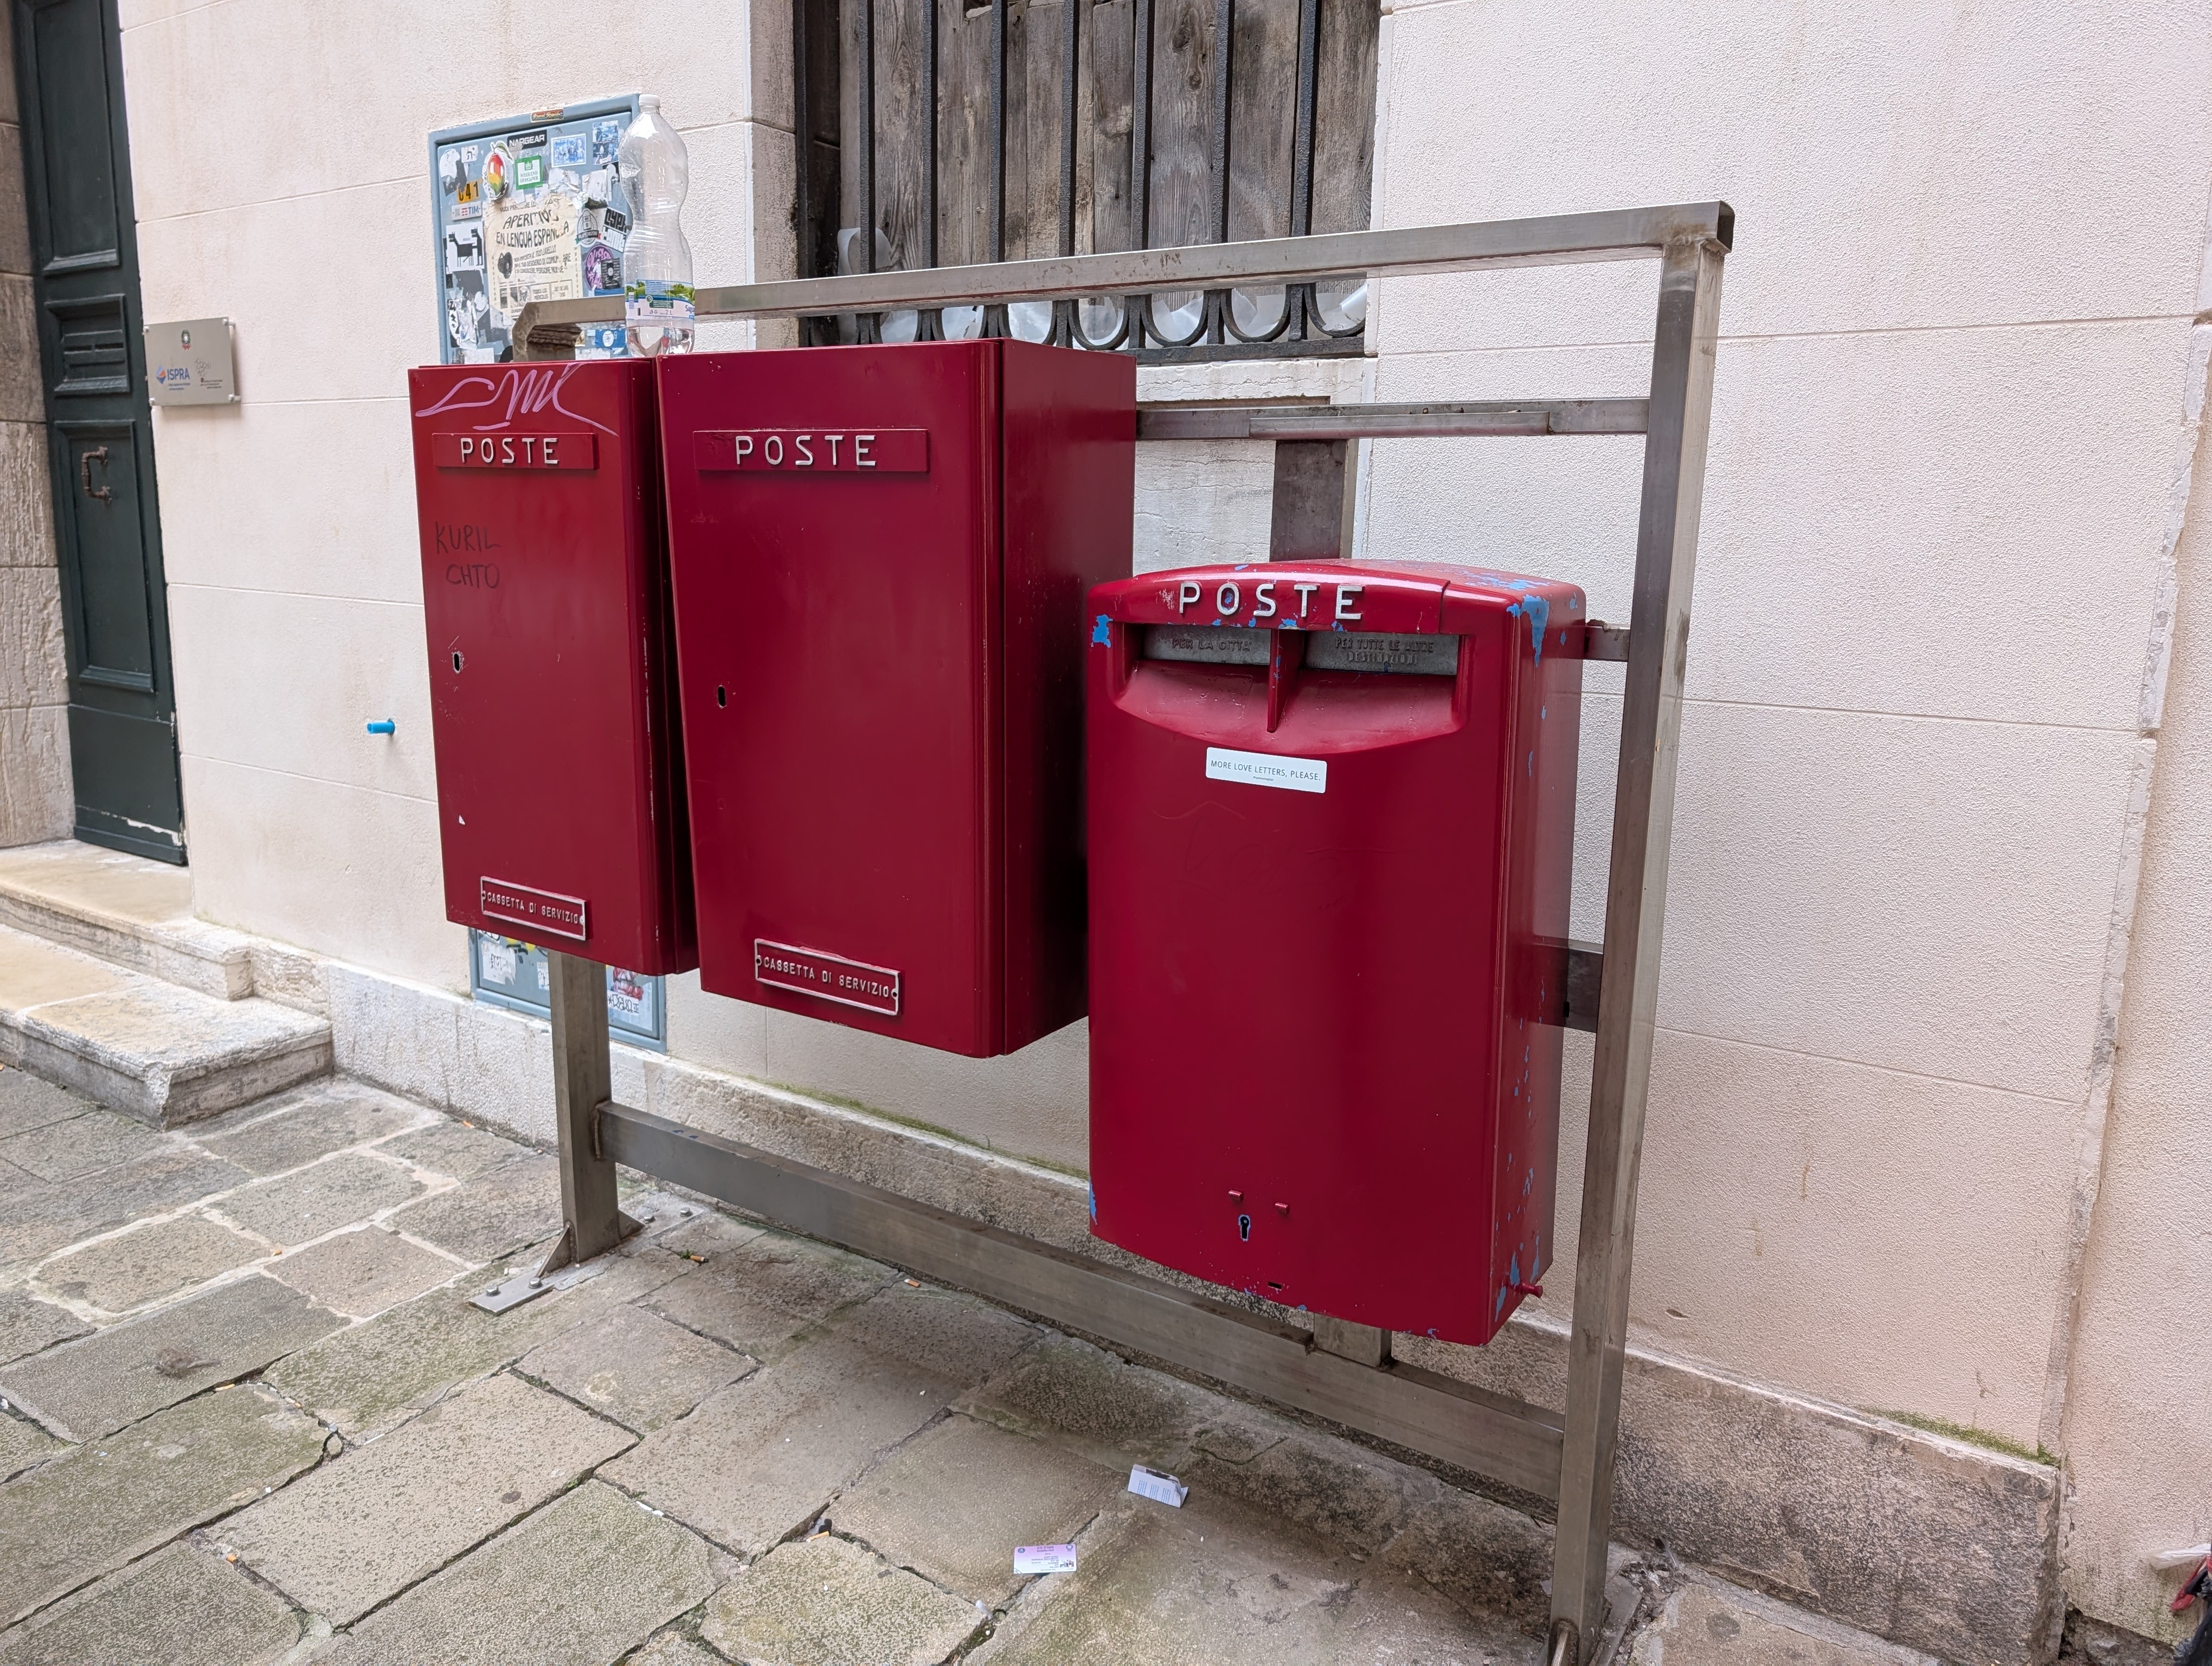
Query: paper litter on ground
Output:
(1152,1484)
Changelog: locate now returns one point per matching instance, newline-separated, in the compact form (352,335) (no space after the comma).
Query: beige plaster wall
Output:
(36,801)
(1952,427)
(1956,403)
(279,152)
(2138,1451)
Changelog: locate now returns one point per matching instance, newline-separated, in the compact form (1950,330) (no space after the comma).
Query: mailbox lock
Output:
(721,693)
(1244,1229)
(457,659)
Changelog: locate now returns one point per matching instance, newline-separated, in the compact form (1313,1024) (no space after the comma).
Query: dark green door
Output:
(84,265)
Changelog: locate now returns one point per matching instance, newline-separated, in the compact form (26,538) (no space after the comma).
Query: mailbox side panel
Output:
(1070,427)
(1546,671)
(560,813)
(835,623)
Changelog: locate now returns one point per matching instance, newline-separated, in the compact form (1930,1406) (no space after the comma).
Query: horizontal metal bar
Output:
(1601,641)
(1515,417)
(1552,240)
(1488,1433)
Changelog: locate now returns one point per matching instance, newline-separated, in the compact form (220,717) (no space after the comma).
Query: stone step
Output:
(128,910)
(142,1045)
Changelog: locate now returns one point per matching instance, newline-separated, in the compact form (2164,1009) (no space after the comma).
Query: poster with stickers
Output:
(523,209)
(527,208)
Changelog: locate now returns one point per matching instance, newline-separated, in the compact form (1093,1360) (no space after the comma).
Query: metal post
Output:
(1636,902)
(583,1081)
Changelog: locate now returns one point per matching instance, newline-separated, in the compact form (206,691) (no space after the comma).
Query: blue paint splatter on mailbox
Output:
(1102,633)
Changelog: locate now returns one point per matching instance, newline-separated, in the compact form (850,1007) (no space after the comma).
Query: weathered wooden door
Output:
(975,130)
(84,265)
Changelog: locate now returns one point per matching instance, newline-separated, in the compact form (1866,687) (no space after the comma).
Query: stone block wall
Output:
(35,797)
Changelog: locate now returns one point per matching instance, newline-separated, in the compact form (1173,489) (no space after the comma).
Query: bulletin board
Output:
(526,208)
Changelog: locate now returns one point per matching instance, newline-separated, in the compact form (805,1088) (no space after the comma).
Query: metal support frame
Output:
(1342,1372)
(583,1081)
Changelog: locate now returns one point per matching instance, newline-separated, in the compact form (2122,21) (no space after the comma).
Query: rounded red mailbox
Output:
(1331,816)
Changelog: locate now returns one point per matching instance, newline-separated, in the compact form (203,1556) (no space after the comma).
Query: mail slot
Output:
(881,556)
(552,700)
(1331,824)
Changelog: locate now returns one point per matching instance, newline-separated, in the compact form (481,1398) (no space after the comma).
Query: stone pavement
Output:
(248,1415)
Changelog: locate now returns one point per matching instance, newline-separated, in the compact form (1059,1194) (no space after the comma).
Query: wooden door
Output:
(108,527)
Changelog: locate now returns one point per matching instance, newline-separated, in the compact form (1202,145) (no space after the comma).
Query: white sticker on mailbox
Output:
(1299,774)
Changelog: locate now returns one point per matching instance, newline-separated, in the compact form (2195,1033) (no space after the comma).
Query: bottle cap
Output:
(648,101)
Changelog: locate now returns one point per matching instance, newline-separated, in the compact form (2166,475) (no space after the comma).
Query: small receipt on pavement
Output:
(1152,1484)
(1044,1559)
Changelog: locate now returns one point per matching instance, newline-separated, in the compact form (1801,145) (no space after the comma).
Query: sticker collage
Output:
(533,214)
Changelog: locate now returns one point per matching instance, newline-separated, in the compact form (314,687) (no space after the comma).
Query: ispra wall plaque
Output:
(189,363)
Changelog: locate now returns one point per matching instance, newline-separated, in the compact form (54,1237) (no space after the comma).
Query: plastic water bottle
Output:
(655,170)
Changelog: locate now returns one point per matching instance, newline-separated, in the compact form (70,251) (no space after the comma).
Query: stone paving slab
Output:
(85,1388)
(955,1501)
(824,1601)
(1488,1558)
(1071,1392)
(493,1215)
(361,1273)
(448,1148)
(22,1443)
(100,1505)
(409,1356)
(321,1198)
(674,1648)
(28,1324)
(1704,1622)
(1329,1487)
(797,1431)
(382,1517)
(83,1145)
(689,1229)
(312,1122)
(636,1367)
(148,1262)
(758,1294)
(43,1218)
(946,1333)
(32,1102)
(180,1607)
(574,1585)
(1214,1584)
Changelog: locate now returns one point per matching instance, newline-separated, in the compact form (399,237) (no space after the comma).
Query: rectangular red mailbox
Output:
(881,557)
(552,700)
(1331,828)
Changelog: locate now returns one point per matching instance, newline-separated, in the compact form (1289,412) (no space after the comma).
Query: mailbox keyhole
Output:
(721,695)
(1244,1229)
(457,659)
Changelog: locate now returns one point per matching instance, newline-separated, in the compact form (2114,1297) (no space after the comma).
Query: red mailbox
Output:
(544,591)
(881,557)
(1331,826)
